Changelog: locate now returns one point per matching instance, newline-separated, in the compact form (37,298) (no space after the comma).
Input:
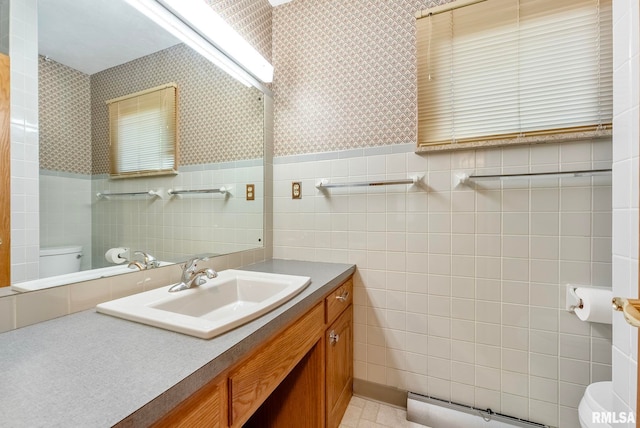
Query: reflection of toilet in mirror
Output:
(60,260)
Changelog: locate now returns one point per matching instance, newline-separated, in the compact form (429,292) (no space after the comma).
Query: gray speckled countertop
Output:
(94,370)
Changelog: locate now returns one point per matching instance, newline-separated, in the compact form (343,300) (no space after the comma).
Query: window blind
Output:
(143,134)
(508,69)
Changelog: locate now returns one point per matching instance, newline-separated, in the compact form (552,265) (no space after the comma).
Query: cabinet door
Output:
(339,367)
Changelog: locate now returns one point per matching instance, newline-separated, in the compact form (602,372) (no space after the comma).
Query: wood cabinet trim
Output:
(207,407)
(5,173)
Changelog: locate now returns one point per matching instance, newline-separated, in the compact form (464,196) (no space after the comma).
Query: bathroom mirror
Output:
(90,52)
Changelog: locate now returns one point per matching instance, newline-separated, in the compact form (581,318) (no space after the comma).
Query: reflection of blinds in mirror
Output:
(143,136)
(504,69)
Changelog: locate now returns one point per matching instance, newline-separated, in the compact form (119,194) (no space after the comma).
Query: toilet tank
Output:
(60,260)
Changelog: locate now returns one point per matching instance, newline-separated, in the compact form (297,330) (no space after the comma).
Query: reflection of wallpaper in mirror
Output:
(251,18)
(64,111)
(64,115)
(220,119)
(221,143)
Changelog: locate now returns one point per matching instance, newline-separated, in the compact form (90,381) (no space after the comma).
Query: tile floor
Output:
(364,413)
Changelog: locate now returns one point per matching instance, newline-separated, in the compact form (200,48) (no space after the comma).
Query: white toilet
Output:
(596,401)
(60,260)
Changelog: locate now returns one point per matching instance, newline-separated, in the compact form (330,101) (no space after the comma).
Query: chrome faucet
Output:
(149,262)
(191,276)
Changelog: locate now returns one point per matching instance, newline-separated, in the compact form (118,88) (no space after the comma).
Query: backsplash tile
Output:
(41,305)
(7,313)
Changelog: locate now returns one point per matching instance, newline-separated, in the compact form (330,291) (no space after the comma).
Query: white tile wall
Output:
(65,212)
(625,196)
(460,289)
(25,238)
(175,228)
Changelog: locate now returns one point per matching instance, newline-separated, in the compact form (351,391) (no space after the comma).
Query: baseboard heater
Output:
(437,413)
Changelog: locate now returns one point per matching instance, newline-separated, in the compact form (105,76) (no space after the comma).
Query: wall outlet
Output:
(251,192)
(296,190)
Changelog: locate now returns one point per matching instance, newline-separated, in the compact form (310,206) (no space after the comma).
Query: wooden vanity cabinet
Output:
(252,382)
(300,377)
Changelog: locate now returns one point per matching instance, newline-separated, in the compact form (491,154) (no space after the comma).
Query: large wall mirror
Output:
(91,52)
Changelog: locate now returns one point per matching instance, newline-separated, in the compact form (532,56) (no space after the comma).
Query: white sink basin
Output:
(221,304)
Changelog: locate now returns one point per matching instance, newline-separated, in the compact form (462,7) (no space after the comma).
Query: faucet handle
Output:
(149,260)
(210,273)
(201,276)
(190,265)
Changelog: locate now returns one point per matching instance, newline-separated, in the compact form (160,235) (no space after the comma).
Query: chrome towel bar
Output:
(325,184)
(222,190)
(465,178)
(152,193)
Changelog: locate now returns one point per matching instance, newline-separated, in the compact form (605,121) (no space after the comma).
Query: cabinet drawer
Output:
(339,300)
(252,382)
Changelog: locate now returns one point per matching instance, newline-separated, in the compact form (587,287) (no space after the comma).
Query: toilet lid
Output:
(54,251)
(599,396)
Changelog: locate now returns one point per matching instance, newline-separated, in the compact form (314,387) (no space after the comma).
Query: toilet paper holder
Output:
(573,301)
(630,309)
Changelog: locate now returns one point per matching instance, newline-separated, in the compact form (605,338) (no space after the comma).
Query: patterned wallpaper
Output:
(64,108)
(220,119)
(250,18)
(345,74)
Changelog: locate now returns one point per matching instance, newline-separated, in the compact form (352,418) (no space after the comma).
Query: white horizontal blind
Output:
(143,132)
(504,69)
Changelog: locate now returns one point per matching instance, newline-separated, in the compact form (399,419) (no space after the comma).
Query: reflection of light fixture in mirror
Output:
(186,32)
(202,18)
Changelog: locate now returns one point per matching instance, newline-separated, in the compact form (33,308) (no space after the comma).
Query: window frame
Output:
(115,145)
(603,130)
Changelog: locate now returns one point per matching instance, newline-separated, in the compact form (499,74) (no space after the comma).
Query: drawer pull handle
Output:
(344,296)
(333,337)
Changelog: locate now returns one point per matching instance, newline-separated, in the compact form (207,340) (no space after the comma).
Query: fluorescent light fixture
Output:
(202,18)
(185,32)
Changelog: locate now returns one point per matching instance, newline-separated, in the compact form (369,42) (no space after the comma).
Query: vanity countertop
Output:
(89,369)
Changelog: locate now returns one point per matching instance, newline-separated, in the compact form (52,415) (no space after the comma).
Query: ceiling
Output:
(91,36)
